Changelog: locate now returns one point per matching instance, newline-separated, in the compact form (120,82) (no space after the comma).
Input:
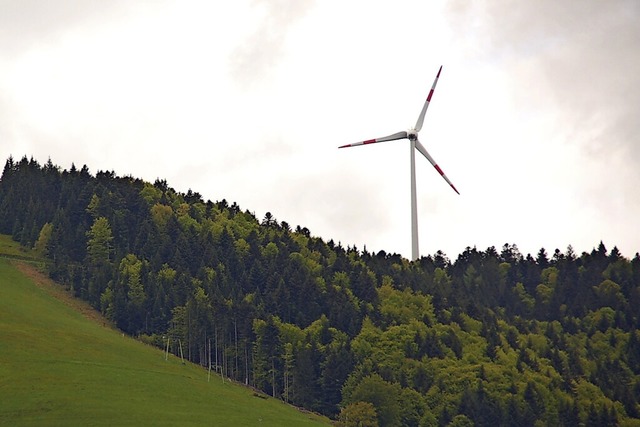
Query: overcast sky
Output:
(535,119)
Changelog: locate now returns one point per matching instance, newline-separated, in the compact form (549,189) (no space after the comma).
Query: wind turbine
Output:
(412,136)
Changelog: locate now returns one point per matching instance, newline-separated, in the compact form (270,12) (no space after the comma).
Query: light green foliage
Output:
(309,264)
(106,303)
(242,224)
(100,241)
(178,327)
(112,302)
(546,289)
(270,251)
(601,319)
(525,299)
(321,284)
(538,343)
(460,421)
(549,277)
(340,280)
(382,395)
(609,294)
(151,194)
(160,215)
(173,199)
(93,207)
(330,258)
(587,394)
(390,350)
(363,344)
(429,419)
(317,328)
(399,307)
(242,247)
(300,239)
(470,324)
(214,227)
(289,333)
(544,294)
(504,268)
(130,268)
(166,275)
(358,414)
(43,239)
(198,212)
(471,279)
(412,407)
(185,220)
(441,281)
(209,274)
(599,343)
(387,281)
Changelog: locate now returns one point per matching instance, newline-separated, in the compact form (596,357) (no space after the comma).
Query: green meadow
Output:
(11,249)
(60,364)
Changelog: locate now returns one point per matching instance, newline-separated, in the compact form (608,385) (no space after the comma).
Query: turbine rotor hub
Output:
(412,135)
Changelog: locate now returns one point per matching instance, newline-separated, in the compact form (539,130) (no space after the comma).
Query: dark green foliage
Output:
(480,407)
(488,339)
(451,340)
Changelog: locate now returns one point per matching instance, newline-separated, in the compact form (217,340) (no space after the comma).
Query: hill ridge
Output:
(551,338)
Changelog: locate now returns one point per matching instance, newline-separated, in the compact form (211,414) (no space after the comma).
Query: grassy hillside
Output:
(58,367)
(495,337)
(11,249)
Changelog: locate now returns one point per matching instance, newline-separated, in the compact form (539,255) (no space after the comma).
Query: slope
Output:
(59,368)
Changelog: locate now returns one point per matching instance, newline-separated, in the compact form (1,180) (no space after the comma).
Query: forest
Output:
(494,337)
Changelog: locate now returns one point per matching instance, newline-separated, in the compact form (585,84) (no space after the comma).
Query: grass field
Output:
(11,249)
(60,364)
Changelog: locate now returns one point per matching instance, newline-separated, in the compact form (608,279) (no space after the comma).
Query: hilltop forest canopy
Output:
(492,338)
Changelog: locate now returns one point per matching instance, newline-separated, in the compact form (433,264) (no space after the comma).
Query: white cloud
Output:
(533,119)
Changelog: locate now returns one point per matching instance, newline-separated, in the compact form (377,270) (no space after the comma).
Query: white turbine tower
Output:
(412,136)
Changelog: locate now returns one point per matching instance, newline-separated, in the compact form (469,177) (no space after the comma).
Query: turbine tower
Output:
(414,144)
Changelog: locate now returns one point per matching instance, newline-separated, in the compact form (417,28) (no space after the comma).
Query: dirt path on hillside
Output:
(61,293)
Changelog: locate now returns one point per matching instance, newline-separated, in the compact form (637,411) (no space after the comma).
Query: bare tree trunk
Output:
(273,378)
(235,330)
(209,374)
(246,364)
(217,365)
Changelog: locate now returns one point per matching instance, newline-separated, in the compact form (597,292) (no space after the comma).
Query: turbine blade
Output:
(425,153)
(393,137)
(426,103)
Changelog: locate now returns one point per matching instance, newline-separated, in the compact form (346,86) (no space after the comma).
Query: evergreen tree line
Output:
(492,338)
